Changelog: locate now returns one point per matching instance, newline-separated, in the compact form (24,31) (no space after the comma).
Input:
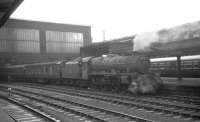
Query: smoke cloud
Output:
(147,41)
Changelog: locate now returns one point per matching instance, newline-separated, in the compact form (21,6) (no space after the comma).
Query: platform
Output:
(194,82)
(3,115)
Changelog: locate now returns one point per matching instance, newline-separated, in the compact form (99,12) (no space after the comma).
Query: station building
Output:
(23,41)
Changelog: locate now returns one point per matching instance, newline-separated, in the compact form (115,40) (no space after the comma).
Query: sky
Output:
(117,18)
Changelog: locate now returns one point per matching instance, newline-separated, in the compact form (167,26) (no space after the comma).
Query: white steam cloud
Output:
(142,42)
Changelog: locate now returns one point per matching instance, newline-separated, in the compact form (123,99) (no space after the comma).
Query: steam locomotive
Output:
(114,72)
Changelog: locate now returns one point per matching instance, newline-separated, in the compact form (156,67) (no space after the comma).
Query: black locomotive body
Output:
(117,71)
(111,71)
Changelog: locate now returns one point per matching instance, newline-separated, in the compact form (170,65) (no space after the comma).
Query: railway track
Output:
(188,91)
(168,94)
(193,100)
(187,99)
(150,104)
(172,110)
(21,112)
(91,113)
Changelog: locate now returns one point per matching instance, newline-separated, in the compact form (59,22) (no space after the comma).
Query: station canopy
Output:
(7,7)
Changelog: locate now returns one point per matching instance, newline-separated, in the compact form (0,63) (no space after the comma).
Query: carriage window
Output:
(123,71)
(51,70)
(46,69)
(108,71)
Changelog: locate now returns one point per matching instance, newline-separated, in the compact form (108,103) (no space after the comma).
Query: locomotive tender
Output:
(115,72)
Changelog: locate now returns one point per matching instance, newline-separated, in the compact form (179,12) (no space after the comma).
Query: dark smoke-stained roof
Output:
(183,48)
(7,7)
(180,40)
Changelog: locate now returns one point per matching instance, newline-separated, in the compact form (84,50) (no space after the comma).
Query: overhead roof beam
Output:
(7,7)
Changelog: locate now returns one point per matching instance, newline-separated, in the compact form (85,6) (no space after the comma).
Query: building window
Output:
(63,42)
(19,40)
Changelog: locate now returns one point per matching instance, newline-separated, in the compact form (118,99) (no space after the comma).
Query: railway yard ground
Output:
(3,115)
(37,103)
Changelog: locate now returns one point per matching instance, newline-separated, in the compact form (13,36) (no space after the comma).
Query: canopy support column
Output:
(179,75)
